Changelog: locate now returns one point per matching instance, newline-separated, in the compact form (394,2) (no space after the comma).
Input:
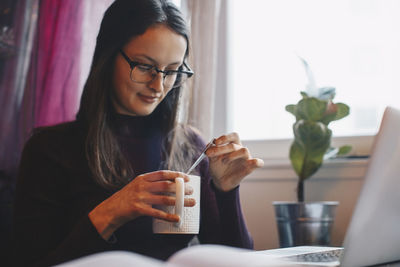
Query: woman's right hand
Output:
(136,199)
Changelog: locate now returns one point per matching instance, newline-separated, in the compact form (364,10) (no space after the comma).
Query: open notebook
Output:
(373,236)
(195,256)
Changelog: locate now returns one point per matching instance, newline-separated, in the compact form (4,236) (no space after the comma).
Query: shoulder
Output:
(58,129)
(60,139)
(55,134)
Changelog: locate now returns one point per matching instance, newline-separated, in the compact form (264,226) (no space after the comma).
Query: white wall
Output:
(337,180)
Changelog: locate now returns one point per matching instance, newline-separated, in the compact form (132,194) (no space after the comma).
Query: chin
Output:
(139,110)
(143,112)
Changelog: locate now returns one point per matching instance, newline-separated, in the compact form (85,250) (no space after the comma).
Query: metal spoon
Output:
(201,157)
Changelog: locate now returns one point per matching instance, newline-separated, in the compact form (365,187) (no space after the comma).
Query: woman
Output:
(89,185)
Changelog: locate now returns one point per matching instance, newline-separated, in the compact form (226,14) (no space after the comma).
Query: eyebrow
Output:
(155,62)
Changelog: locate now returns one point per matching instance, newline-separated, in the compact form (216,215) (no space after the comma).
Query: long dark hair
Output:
(123,20)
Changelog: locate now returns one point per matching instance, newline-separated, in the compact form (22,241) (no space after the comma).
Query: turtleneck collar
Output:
(136,126)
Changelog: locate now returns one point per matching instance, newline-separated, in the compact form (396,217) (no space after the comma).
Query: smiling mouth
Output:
(149,99)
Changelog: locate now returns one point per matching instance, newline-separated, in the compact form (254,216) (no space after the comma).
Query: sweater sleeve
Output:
(234,230)
(222,220)
(44,232)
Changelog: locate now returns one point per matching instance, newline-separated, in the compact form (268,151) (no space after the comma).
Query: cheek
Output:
(121,83)
(118,79)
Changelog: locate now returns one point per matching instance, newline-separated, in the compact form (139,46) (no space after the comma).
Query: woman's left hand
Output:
(230,162)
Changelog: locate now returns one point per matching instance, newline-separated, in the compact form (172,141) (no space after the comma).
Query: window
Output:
(352,45)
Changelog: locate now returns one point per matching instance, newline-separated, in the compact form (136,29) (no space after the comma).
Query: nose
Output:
(157,83)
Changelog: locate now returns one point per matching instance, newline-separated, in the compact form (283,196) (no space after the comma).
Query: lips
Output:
(148,99)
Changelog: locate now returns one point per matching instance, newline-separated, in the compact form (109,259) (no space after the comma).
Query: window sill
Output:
(278,149)
(340,168)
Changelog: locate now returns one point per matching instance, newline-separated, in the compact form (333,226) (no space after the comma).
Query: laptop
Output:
(373,235)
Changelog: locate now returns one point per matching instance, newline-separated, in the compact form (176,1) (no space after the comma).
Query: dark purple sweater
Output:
(56,191)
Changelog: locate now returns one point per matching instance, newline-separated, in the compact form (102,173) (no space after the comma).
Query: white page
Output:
(196,256)
(221,256)
(114,258)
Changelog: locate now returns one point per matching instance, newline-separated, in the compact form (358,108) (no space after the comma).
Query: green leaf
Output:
(304,94)
(311,109)
(312,140)
(296,156)
(343,150)
(314,136)
(328,118)
(311,166)
(343,111)
(292,109)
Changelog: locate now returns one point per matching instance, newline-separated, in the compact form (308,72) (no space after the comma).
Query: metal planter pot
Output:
(304,223)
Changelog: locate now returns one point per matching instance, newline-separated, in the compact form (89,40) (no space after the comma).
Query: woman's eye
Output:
(144,67)
(171,70)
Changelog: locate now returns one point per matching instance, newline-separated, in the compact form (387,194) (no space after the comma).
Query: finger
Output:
(219,150)
(160,200)
(164,175)
(159,214)
(251,165)
(227,183)
(188,190)
(257,162)
(168,200)
(242,153)
(166,187)
(189,202)
(228,138)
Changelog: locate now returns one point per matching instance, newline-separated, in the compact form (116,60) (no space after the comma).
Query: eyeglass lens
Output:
(142,75)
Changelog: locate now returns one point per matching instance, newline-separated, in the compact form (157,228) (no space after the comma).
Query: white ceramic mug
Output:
(189,216)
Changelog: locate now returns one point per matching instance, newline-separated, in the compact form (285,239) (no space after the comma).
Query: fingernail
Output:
(176,218)
(193,201)
(189,190)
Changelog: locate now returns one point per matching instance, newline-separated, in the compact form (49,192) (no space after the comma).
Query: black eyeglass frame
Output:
(133,64)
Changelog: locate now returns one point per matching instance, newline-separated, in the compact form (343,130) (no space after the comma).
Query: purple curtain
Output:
(39,85)
(56,64)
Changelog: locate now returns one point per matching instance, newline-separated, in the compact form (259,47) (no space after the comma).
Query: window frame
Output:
(270,150)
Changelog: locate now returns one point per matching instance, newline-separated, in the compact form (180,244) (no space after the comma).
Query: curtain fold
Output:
(56,65)
(203,18)
(39,82)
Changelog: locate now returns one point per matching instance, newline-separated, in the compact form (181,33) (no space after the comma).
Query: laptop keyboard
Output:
(326,256)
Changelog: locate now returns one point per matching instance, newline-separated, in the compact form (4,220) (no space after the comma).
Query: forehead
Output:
(160,43)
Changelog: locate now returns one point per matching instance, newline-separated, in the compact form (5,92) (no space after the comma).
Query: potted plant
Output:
(309,223)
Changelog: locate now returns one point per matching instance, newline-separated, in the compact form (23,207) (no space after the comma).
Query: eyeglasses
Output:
(145,73)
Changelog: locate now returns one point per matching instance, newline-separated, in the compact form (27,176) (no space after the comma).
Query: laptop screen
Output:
(373,236)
